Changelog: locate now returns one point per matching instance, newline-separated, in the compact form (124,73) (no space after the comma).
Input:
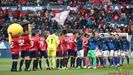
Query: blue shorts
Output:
(43,54)
(15,56)
(59,54)
(24,53)
(33,54)
(71,52)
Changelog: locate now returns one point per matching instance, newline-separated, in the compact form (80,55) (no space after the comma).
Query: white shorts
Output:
(127,53)
(98,53)
(123,53)
(111,53)
(80,53)
(105,53)
(117,53)
(132,54)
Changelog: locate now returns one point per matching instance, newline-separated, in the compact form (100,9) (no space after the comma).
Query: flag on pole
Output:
(61,17)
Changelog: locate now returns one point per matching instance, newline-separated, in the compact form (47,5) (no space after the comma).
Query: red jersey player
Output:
(85,41)
(33,51)
(63,42)
(25,44)
(15,49)
(43,47)
(59,55)
(43,51)
(71,49)
(71,45)
(34,45)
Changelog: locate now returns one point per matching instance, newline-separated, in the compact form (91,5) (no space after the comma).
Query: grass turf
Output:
(5,65)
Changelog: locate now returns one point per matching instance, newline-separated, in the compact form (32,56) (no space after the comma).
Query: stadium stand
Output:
(91,15)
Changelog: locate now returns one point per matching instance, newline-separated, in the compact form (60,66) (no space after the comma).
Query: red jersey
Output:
(63,42)
(14,47)
(34,44)
(71,45)
(37,37)
(42,44)
(58,48)
(25,42)
(85,41)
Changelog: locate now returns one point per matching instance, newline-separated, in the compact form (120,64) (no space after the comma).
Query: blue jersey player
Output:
(112,47)
(125,49)
(117,50)
(104,48)
(132,46)
(92,51)
(80,51)
(98,51)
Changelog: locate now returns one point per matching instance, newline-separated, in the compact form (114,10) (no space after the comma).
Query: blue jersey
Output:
(118,44)
(132,44)
(111,43)
(125,44)
(79,43)
(98,39)
(92,43)
(104,44)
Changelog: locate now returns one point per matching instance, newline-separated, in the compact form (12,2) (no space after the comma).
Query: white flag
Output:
(61,17)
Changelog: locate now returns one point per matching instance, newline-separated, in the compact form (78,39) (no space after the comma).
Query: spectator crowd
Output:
(89,16)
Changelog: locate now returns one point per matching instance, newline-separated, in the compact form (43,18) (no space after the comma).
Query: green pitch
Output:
(5,65)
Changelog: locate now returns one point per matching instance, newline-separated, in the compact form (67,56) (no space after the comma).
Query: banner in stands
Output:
(4,49)
(5,54)
(32,8)
(9,7)
(4,45)
(62,7)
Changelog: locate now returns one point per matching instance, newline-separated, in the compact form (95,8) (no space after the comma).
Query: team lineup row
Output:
(59,49)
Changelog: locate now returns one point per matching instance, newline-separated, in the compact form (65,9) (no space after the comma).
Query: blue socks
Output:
(78,62)
(111,62)
(84,59)
(104,62)
(101,61)
(122,60)
(115,60)
(118,60)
